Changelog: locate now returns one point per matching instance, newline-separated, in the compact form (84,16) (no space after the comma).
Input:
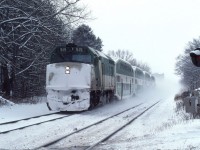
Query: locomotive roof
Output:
(99,53)
(119,59)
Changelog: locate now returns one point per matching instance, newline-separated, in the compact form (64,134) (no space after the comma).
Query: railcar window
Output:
(124,69)
(139,74)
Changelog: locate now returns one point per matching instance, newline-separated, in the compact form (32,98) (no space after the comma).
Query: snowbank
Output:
(4,101)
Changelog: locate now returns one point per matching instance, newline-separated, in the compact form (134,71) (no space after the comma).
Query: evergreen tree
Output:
(84,36)
(99,44)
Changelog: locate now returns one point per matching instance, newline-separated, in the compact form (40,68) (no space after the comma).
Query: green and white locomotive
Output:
(78,78)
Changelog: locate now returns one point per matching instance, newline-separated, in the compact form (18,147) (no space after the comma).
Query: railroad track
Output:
(51,143)
(84,128)
(15,122)
(119,129)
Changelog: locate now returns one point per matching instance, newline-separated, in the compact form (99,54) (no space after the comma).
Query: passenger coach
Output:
(124,79)
(139,78)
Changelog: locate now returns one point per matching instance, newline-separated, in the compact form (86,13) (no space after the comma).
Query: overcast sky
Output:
(156,31)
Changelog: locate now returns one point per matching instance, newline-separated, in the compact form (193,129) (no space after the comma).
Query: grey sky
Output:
(156,31)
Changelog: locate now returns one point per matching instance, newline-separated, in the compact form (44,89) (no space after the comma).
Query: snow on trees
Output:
(189,73)
(29,30)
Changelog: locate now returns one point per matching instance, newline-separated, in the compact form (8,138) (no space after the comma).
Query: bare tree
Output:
(128,56)
(189,73)
(123,54)
(29,31)
(143,66)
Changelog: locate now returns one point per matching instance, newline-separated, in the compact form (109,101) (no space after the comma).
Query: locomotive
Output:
(79,78)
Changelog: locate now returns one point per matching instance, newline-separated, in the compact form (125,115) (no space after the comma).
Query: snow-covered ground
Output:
(162,127)
(15,112)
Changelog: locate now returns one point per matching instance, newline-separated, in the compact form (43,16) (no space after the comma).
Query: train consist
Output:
(79,78)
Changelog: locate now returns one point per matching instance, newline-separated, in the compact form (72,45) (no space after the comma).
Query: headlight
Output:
(67,71)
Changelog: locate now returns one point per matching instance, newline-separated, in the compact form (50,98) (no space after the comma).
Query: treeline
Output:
(29,31)
(190,74)
(129,57)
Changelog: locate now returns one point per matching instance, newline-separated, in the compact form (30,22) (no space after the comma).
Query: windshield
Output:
(81,58)
(71,54)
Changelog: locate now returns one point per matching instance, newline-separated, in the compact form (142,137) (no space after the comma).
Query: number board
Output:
(72,49)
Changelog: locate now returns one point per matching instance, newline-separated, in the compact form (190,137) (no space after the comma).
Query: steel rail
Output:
(120,128)
(3,132)
(14,121)
(93,124)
